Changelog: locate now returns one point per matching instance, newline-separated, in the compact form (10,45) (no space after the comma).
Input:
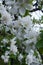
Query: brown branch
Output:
(36,9)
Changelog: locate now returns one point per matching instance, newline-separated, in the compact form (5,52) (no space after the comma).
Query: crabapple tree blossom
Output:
(18,35)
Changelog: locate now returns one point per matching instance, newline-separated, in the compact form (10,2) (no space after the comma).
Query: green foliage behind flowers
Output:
(0,15)
(40,40)
(39,44)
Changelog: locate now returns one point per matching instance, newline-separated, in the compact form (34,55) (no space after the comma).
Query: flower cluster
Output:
(17,37)
(32,59)
(18,6)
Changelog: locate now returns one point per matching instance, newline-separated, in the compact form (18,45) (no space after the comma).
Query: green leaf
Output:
(27,12)
(41,50)
(13,56)
(39,44)
(35,53)
(30,1)
(0,15)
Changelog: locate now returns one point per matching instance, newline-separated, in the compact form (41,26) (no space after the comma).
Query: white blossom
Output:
(19,6)
(22,29)
(13,48)
(31,58)
(6,18)
(20,57)
(4,41)
(5,57)
(24,5)
(26,21)
(13,40)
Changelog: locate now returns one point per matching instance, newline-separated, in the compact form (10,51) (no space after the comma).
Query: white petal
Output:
(22,11)
(28,6)
(13,11)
